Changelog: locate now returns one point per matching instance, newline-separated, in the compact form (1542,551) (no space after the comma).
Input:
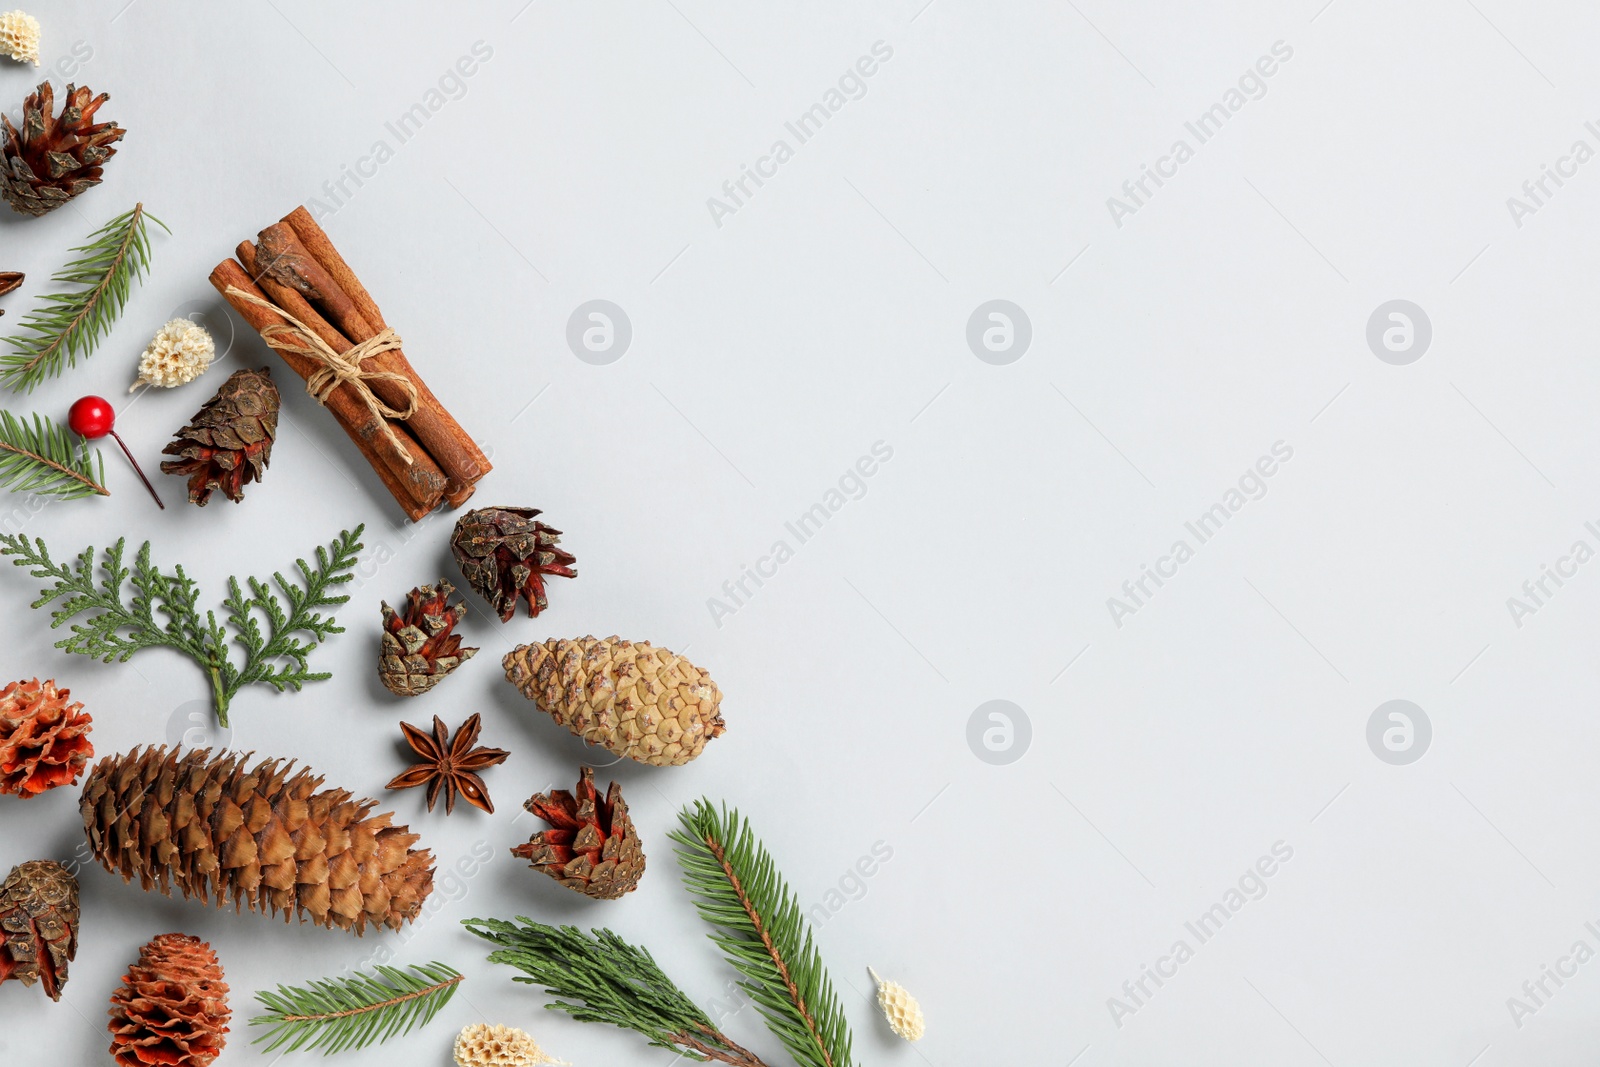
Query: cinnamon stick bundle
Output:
(416,447)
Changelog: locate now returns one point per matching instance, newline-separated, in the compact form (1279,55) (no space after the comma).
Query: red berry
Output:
(92,417)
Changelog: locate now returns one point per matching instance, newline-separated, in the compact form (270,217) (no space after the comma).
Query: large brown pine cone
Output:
(172,1006)
(421,646)
(38,925)
(261,837)
(591,845)
(505,553)
(44,738)
(52,159)
(228,443)
(648,704)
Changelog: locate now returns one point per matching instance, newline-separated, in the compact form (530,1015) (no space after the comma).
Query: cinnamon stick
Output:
(416,491)
(318,271)
(316,241)
(426,483)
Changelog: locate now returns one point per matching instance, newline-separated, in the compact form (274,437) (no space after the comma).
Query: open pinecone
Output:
(591,845)
(262,837)
(421,646)
(44,738)
(172,1007)
(648,704)
(228,443)
(505,554)
(51,160)
(38,925)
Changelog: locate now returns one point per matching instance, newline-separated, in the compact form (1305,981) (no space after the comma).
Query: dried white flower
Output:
(481,1045)
(900,1008)
(19,37)
(180,353)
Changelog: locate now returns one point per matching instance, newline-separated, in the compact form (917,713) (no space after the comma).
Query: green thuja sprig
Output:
(336,1014)
(70,324)
(600,978)
(44,458)
(112,630)
(759,925)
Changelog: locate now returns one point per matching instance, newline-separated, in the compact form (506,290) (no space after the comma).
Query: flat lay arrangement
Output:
(264,836)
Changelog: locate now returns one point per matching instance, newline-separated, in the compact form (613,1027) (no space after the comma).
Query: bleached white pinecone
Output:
(482,1045)
(19,37)
(178,354)
(900,1008)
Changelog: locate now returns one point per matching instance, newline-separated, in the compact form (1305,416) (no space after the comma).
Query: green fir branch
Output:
(598,977)
(338,1014)
(112,630)
(761,929)
(47,459)
(70,324)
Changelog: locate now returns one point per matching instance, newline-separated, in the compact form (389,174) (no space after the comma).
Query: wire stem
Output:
(139,470)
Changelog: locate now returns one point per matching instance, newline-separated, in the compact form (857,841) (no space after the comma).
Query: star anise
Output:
(449,764)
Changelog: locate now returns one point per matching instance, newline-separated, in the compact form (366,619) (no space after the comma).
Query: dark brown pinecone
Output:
(591,845)
(505,554)
(172,1007)
(38,925)
(53,159)
(421,646)
(228,443)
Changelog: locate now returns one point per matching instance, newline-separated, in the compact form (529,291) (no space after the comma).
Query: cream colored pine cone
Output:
(19,37)
(178,354)
(900,1008)
(481,1045)
(648,704)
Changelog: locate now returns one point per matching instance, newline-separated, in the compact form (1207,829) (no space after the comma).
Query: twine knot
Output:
(335,368)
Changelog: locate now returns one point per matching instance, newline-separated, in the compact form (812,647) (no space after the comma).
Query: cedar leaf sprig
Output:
(67,325)
(761,929)
(336,1014)
(44,458)
(598,977)
(112,630)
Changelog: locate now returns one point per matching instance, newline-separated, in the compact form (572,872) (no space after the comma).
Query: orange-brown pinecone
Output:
(591,845)
(172,1006)
(53,159)
(228,443)
(262,837)
(44,738)
(421,646)
(38,924)
(505,554)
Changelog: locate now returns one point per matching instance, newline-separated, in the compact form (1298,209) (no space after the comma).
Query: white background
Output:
(829,312)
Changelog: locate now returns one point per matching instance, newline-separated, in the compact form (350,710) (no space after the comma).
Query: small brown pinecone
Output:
(38,924)
(51,160)
(261,837)
(648,704)
(421,646)
(505,554)
(228,443)
(172,1007)
(591,845)
(44,738)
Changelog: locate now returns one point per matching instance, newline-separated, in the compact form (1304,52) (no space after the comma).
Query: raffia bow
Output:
(340,368)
